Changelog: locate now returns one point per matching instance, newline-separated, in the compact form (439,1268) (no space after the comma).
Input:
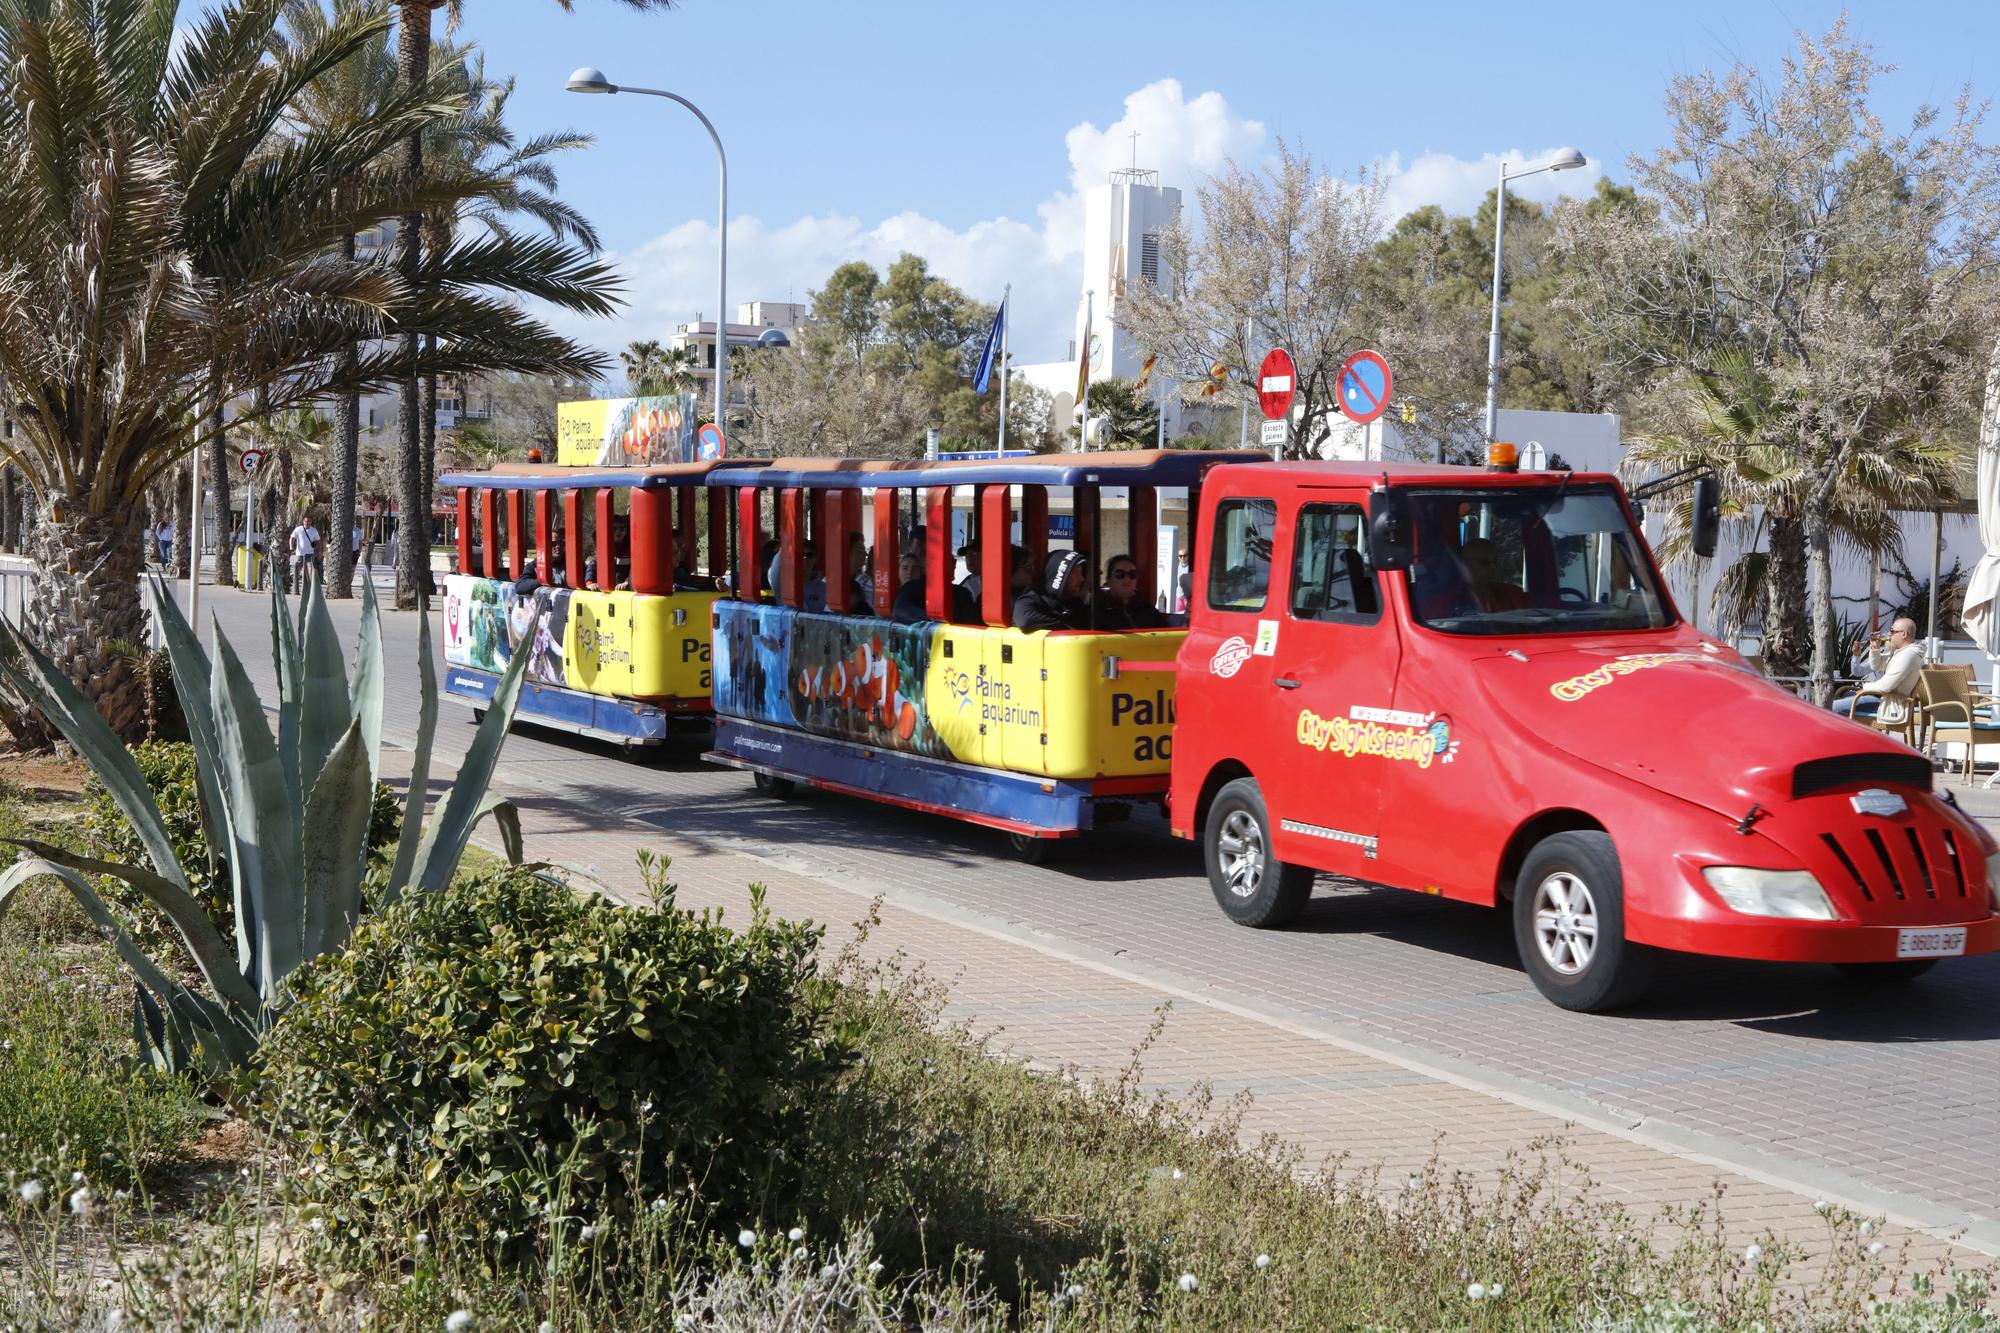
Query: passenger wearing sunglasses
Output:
(1119,605)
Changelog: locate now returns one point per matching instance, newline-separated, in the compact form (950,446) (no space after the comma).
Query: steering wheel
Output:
(1572,596)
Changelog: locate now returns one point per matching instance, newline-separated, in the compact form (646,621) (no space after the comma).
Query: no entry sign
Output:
(1364,386)
(1277,381)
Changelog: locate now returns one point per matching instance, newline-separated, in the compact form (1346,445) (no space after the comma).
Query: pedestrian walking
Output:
(304,551)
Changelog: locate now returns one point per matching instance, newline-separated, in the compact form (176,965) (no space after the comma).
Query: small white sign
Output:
(1277,384)
(1274,433)
(1267,638)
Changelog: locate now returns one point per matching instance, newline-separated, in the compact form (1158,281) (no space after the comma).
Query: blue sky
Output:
(963,132)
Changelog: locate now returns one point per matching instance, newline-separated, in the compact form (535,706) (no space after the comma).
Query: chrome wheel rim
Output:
(1240,853)
(1565,923)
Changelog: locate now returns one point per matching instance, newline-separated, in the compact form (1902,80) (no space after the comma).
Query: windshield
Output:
(1530,562)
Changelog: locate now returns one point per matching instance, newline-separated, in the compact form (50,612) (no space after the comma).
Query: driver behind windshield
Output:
(1490,587)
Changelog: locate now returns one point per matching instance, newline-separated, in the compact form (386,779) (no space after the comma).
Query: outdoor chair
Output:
(1951,713)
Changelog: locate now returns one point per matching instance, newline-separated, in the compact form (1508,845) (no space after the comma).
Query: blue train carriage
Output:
(847,658)
(620,563)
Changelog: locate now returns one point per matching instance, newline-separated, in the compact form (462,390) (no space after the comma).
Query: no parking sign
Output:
(708,445)
(1364,384)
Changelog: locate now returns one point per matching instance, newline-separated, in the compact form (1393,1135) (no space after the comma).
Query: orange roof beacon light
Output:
(1502,457)
(534,455)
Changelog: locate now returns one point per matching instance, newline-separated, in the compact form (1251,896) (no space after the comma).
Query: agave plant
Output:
(292,810)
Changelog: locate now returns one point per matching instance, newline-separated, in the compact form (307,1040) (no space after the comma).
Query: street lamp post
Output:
(1564,160)
(590,80)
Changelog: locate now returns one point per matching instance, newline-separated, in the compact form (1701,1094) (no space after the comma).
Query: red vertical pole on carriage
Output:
(652,540)
(489,532)
(1143,510)
(719,561)
(573,555)
(607,543)
(833,530)
(938,555)
(545,534)
(792,545)
(887,550)
(465,529)
(517,532)
(749,536)
(1085,503)
(996,523)
(1035,527)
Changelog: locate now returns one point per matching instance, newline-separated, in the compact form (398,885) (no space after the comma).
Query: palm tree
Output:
(477,150)
(653,369)
(1726,416)
(171,240)
(1130,421)
(413,53)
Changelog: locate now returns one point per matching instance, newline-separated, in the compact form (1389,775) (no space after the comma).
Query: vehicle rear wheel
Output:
(1252,887)
(478,716)
(1030,850)
(775,787)
(1569,924)
(1888,974)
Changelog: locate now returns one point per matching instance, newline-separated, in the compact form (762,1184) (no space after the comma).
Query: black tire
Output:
(1578,957)
(1030,850)
(1887,974)
(775,787)
(1252,887)
(478,716)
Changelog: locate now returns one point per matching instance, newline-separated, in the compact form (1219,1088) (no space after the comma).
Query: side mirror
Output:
(1705,516)
(1389,543)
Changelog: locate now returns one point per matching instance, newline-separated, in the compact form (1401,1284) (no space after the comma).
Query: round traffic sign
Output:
(249,461)
(1277,381)
(708,442)
(1364,384)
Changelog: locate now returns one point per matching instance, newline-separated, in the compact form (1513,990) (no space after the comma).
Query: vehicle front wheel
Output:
(1252,887)
(1030,850)
(1888,974)
(1569,924)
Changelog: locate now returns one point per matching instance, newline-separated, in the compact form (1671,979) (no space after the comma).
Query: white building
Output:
(768,325)
(1123,223)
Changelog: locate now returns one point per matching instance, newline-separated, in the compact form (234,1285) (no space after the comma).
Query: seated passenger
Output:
(685,577)
(911,604)
(1119,605)
(1058,602)
(1489,586)
(861,597)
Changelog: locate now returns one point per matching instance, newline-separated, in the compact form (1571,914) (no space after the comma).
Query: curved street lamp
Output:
(1566,159)
(592,80)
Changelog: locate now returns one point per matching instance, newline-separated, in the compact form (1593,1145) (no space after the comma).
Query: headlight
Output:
(1993,877)
(1787,893)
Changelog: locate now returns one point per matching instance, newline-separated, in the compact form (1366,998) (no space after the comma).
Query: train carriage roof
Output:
(1133,467)
(558,476)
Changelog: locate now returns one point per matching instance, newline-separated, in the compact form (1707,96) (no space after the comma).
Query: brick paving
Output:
(1380,1020)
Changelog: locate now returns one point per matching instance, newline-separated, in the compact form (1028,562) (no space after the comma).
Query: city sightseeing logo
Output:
(1230,657)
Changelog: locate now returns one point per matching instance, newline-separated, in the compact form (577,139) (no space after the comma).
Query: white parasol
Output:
(1981,617)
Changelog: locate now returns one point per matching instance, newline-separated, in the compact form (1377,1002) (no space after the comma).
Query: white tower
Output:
(1123,223)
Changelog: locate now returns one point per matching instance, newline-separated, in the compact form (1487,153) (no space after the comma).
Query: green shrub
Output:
(169,769)
(532,1053)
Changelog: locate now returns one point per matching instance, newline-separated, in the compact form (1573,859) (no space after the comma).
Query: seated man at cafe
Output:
(1897,660)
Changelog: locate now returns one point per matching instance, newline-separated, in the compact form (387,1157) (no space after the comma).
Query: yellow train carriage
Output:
(846,657)
(605,577)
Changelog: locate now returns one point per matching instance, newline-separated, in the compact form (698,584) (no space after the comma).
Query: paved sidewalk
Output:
(1056,1003)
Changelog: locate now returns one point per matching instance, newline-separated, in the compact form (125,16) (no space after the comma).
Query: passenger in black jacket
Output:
(1058,601)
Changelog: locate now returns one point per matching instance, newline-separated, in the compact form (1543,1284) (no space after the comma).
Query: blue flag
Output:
(991,352)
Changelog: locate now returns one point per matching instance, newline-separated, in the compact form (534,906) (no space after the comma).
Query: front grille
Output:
(1906,865)
(1861,770)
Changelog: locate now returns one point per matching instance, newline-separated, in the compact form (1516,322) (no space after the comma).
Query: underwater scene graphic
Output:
(852,677)
(487,621)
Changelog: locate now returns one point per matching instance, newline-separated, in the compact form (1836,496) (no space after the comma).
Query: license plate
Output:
(1930,943)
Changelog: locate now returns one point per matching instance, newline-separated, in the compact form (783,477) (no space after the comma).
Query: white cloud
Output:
(672,276)
(1459,186)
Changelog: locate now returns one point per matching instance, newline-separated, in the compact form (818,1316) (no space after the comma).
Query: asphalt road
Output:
(1796,1070)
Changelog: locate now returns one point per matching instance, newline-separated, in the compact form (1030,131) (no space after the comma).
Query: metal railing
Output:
(16,584)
